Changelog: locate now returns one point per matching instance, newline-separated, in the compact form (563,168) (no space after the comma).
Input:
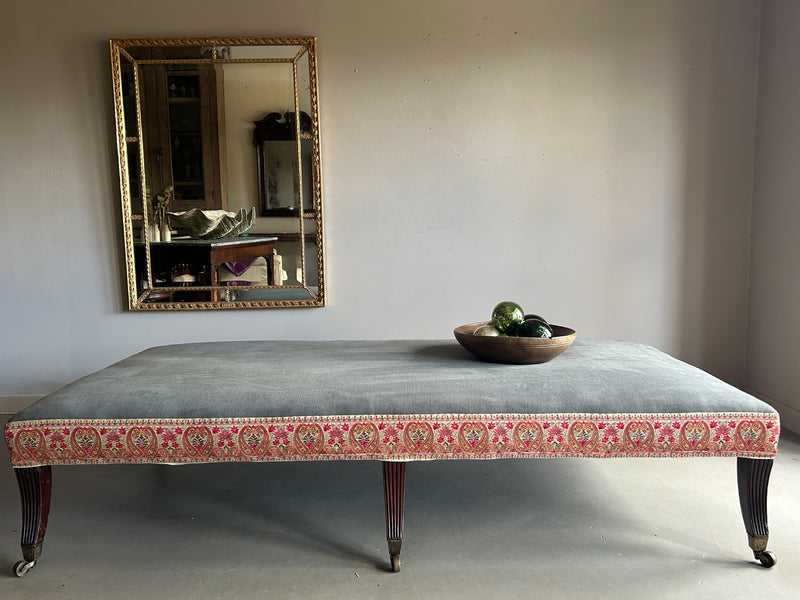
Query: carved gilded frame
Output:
(141,299)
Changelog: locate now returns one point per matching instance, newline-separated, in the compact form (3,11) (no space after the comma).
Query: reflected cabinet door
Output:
(182,136)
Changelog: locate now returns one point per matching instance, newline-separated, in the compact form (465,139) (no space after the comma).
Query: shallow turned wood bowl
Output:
(515,350)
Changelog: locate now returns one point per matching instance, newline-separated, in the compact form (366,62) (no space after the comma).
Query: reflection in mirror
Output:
(218,142)
(280,182)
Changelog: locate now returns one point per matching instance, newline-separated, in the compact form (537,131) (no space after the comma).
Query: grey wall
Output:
(591,160)
(774,325)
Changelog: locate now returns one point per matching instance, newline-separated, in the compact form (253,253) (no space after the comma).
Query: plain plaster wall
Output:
(590,160)
(774,323)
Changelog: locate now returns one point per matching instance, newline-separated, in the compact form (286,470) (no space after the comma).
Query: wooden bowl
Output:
(515,350)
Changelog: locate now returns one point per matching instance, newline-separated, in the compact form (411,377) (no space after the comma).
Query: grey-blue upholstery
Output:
(323,378)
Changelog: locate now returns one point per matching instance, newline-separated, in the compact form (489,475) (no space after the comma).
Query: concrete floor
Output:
(560,528)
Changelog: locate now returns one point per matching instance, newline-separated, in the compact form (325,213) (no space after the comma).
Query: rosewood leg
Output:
(34,490)
(753,476)
(394,493)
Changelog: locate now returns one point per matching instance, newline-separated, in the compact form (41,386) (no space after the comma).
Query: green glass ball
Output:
(541,320)
(506,316)
(534,328)
(532,316)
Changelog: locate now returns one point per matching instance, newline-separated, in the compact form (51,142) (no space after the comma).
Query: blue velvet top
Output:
(322,378)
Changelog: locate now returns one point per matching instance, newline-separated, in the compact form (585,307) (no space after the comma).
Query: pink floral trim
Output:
(395,437)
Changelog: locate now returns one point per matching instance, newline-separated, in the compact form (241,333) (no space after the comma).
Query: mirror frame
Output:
(138,300)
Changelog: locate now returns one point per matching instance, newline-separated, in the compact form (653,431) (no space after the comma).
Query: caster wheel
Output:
(766,558)
(22,567)
(395,563)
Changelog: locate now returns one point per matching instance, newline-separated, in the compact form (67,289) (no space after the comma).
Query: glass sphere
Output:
(486,330)
(534,328)
(507,316)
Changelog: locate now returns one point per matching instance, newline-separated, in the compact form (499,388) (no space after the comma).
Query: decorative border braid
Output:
(390,437)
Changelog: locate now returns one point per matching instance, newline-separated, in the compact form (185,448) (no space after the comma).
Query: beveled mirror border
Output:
(135,301)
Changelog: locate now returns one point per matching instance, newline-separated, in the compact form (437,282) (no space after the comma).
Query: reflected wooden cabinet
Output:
(184,137)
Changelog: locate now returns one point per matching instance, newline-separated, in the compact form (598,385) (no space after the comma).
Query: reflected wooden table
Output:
(209,255)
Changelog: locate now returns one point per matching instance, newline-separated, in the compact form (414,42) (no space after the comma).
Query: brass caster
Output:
(22,567)
(395,563)
(766,558)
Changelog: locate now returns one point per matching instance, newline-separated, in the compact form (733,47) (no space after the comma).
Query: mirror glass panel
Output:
(219,163)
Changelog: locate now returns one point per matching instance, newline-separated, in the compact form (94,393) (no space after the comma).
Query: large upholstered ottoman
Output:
(392,401)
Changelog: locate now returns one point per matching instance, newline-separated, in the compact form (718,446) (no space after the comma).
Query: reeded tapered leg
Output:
(394,494)
(34,490)
(753,475)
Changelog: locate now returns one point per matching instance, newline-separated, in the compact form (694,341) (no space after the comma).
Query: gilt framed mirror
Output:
(220,172)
